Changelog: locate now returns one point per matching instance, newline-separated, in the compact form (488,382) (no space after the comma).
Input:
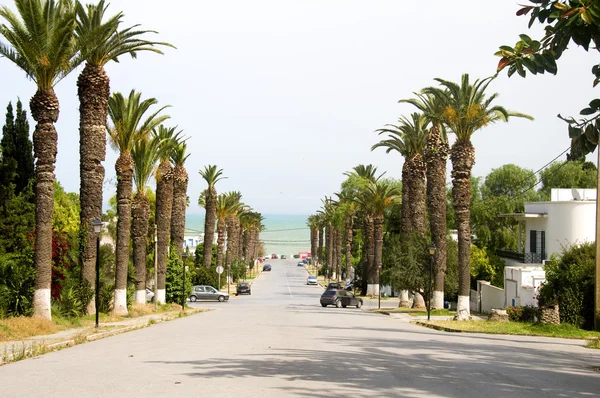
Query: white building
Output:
(569,218)
(191,240)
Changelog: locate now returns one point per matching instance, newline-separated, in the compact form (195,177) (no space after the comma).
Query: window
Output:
(199,289)
(543,244)
(533,241)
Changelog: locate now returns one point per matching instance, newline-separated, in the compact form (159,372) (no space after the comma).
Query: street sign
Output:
(219,270)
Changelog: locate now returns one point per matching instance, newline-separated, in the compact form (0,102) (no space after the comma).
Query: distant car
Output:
(334,286)
(340,298)
(296,256)
(149,295)
(305,261)
(207,293)
(260,260)
(311,280)
(267,267)
(243,288)
(274,256)
(300,264)
(283,257)
(267,257)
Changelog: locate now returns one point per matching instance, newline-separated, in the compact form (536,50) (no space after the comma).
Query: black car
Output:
(334,286)
(267,267)
(340,298)
(243,288)
(296,256)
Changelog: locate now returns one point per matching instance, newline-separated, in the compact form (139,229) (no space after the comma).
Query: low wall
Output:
(491,297)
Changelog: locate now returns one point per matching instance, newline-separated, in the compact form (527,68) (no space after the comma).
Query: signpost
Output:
(219,271)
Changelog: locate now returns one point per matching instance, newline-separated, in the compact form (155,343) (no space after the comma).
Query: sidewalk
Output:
(16,350)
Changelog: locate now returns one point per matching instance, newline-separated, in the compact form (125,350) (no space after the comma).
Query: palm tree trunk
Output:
(349,232)
(124,169)
(164,206)
(140,209)
(230,225)
(209,226)
(180,184)
(314,244)
(320,246)
(240,239)
(221,230)
(371,271)
(329,248)
(93,89)
(436,157)
(44,110)
(416,171)
(462,156)
(338,253)
(405,220)
(378,234)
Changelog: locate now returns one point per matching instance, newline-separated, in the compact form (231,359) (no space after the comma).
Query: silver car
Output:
(207,293)
(311,280)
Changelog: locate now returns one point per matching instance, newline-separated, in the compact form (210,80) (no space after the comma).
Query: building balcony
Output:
(525,258)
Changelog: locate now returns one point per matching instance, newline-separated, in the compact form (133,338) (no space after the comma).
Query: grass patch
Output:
(415,311)
(518,328)
(594,343)
(21,327)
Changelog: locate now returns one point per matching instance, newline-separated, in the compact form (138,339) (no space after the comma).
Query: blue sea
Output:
(283,234)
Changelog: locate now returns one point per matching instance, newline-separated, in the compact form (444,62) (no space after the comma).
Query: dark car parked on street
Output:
(243,288)
(334,286)
(340,298)
(267,267)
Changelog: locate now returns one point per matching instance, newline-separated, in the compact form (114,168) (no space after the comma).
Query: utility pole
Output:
(155,268)
(597,286)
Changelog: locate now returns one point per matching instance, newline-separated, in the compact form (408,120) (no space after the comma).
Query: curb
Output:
(37,348)
(442,328)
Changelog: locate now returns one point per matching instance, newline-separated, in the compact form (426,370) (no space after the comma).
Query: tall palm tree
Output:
(145,154)
(232,226)
(226,205)
(127,128)
(465,110)
(347,202)
(170,139)
(211,175)
(409,138)
(313,224)
(100,41)
(42,43)
(180,185)
(436,158)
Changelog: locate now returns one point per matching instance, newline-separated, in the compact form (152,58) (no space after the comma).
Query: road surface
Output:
(279,342)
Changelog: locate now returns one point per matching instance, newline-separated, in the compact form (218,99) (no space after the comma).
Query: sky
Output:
(285,96)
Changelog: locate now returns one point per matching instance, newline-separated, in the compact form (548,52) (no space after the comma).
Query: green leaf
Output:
(519,47)
(511,70)
(508,48)
(525,38)
(530,65)
(574,132)
(595,104)
(555,14)
(587,111)
(591,134)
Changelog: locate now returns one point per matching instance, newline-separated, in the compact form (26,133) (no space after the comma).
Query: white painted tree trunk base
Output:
(41,303)
(437,300)
(91,307)
(404,301)
(120,302)
(373,289)
(419,301)
(140,297)
(162,296)
(463,311)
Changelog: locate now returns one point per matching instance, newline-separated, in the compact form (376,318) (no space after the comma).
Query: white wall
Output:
(491,297)
(521,285)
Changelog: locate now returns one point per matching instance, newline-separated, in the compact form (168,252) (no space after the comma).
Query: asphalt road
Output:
(279,342)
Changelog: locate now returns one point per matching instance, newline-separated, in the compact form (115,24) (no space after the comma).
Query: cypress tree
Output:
(24,150)
(8,163)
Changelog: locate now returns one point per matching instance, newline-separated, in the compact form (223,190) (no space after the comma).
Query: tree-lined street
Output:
(280,342)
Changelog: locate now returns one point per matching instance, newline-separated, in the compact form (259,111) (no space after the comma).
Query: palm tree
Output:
(436,158)
(347,202)
(145,154)
(313,224)
(126,115)
(42,43)
(211,175)
(364,176)
(226,205)
(232,226)
(376,199)
(465,110)
(180,185)
(409,138)
(100,41)
(169,139)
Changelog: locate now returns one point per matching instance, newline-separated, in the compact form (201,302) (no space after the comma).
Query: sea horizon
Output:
(283,234)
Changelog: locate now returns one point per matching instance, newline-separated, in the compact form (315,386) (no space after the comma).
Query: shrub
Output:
(527,313)
(174,279)
(73,299)
(17,276)
(570,282)
(206,276)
